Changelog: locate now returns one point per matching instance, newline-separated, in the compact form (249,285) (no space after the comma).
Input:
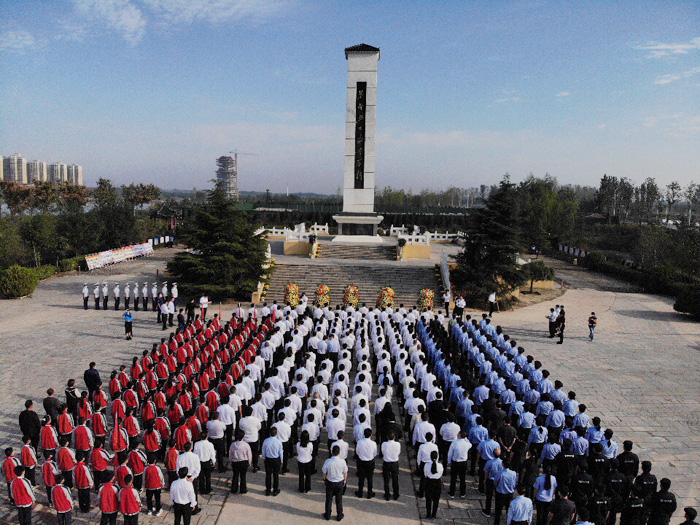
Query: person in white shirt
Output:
(432,471)
(446,298)
(457,459)
(284,433)
(182,496)
(251,426)
(335,476)
(217,434)
(203,305)
(391,450)
(190,461)
(366,451)
(227,416)
(493,304)
(423,458)
(305,460)
(205,451)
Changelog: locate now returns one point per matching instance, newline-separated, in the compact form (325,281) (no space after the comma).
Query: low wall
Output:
(416,251)
(297,248)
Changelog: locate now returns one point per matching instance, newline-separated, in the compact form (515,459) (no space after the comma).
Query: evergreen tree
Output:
(488,262)
(227,257)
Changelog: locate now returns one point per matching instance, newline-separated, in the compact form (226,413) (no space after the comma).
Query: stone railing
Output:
(415,239)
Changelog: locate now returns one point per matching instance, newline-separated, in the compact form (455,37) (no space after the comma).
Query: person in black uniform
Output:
(647,484)
(690,515)
(29,423)
(618,489)
(662,504)
(634,510)
(628,462)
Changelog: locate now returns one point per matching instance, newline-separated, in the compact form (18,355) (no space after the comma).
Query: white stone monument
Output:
(358,221)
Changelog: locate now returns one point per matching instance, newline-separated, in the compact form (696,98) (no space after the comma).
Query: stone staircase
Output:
(407,282)
(330,250)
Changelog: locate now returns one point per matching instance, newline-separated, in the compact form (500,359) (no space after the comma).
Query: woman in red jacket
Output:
(108,502)
(63,501)
(154,485)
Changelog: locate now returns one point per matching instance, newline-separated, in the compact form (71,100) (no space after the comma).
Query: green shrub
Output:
(45,271)
(594,260)
(18,281)
(74,263)
(688,301)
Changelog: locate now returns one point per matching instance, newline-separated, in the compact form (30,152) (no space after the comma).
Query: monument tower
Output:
(358,221)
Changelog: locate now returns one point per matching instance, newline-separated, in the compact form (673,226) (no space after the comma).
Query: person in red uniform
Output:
(100,459)
(65,457)
(99,423)
(120,439)
(28,459)
(132,427)
(8,468)
(23,496)
(108,502)
(63,502)
(50,471)
(83,438)
(154,485)
(171,461)
(83,482)
(49,438)
(65,423)
(151,441)
(137,463)
(129,502)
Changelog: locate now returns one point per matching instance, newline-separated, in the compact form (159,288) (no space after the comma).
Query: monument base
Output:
(358,228)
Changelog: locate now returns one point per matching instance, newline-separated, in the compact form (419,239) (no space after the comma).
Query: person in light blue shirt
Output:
(546,486)
(610,448)
(128,318)
(273,454)
(551,450)
(488,450)
(532,396)
(571,406)
(580,444)
(581,419)
(505,484)
(464,406)
(556,418)
(558,394)
(477,434)
(545,406)
(596,433)
(526,420)
(492,469)
(538,437)
(481,392)
(520,509)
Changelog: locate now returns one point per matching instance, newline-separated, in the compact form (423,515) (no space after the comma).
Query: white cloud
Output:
(602,126)
(508,99)
(650,122)
(213,11)
(121,16)
(662,49)
(16,41)
(562,94)
(667,79)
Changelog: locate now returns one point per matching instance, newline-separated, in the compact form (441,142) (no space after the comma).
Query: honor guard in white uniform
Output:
(86,296)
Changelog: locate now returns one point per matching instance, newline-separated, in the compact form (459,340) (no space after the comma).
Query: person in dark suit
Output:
(29,423)
(92,379)
(51,406)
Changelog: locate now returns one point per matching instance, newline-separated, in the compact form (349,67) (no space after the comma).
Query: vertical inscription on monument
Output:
(360,104)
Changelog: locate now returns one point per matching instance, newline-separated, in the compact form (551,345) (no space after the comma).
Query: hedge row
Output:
(19,281)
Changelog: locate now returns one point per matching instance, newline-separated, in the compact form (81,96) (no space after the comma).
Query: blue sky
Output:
(155,90)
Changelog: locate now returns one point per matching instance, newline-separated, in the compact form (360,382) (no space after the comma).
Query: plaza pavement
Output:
(639,375)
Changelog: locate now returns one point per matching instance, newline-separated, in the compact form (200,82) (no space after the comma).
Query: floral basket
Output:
(386,298)
(291,294)
(426,300)
(351,297)
(323,296)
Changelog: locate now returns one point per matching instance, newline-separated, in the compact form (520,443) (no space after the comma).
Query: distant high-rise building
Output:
(15,168)
(37,171)
(58,173)
(75,175)
(227,176)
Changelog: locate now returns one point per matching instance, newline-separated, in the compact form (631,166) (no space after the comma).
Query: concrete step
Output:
(406,281)
(329,250)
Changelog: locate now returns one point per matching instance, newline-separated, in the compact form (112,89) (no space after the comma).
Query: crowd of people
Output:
(302,381)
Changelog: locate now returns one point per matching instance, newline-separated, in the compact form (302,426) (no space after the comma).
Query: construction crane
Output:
(227,174)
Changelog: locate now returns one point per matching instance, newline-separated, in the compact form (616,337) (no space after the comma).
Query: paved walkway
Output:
(640,376)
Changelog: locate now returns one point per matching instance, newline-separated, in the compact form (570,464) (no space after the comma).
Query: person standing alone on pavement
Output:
(493,303)
(561,325)
(592,323)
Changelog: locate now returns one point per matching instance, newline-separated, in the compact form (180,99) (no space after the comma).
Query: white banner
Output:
(125,253)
